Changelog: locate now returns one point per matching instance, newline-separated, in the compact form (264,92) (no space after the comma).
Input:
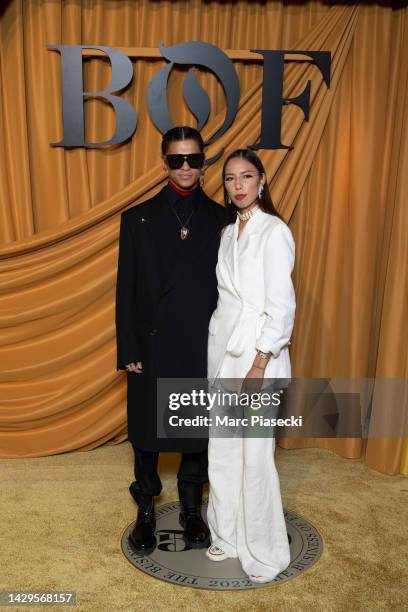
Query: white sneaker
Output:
(215,553)
(259,579)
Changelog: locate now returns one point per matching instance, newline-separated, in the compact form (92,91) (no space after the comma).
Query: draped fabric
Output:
(341,189)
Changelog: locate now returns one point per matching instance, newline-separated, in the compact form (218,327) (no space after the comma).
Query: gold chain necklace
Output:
(247,215)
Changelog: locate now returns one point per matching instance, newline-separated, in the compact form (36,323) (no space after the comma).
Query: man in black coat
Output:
(166,293)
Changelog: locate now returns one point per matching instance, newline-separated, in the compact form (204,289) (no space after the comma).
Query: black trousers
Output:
(191,476)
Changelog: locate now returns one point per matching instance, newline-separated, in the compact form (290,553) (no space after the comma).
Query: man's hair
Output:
(183,132)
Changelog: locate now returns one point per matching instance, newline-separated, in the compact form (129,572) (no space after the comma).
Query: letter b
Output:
(73,96)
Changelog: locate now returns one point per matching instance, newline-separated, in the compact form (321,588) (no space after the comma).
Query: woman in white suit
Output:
(249,335)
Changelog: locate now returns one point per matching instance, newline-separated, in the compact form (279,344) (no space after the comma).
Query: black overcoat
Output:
(164,301)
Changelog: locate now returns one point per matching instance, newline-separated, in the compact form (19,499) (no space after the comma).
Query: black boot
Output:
(196,533)
(142,536)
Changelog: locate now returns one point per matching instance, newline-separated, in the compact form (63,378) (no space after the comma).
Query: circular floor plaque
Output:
(173,561)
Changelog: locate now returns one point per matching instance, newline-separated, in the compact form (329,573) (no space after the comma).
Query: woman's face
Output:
(242,181)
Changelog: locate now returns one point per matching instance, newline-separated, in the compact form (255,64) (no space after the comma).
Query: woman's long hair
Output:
(265,201)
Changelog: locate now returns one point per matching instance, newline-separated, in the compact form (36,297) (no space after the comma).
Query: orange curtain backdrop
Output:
(341,189)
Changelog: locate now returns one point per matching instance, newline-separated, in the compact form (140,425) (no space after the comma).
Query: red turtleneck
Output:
(182,192)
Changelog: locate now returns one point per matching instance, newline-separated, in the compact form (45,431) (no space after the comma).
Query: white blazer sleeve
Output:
(280,304)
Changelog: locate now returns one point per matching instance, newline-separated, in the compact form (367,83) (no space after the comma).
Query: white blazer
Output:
(256,303)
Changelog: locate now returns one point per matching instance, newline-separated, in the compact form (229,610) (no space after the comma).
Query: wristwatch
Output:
(263,355)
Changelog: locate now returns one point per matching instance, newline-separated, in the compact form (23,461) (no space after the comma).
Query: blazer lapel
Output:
(249,239)
(237,249)
(231,254)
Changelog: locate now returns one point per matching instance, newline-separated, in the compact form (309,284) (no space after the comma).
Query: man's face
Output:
(185,177)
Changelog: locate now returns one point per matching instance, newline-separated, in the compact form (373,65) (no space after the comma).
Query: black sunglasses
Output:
(194,160)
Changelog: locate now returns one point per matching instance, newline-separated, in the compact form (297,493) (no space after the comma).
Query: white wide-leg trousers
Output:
(245,514)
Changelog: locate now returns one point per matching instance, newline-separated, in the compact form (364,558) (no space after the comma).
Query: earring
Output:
(229,200)
(201,178)
(260,191)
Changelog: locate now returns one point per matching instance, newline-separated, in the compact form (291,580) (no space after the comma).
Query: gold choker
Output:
(247,215)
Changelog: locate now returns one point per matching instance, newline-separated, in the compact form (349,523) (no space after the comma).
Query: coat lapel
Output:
(202,229)
(149,228)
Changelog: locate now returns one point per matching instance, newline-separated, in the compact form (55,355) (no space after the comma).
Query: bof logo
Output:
(193,54)
(171,540)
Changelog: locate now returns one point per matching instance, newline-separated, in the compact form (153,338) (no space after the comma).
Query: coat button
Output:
(153,332)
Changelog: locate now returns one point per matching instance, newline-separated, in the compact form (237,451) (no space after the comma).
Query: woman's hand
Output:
(253,380)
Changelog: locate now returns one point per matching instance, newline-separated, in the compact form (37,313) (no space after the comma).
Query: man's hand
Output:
(135,367)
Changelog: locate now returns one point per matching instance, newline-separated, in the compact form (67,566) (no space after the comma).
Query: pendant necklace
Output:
(184,231)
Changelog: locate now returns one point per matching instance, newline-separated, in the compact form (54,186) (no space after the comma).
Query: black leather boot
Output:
(196,533)
(142,536)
